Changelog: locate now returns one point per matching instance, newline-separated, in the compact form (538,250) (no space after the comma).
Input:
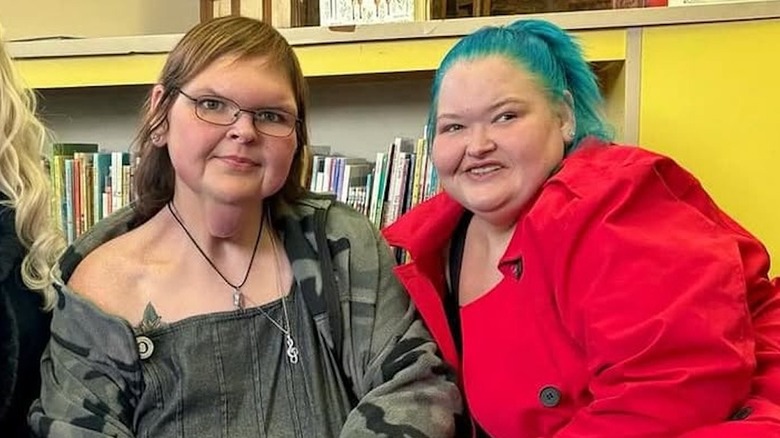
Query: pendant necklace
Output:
(238,296)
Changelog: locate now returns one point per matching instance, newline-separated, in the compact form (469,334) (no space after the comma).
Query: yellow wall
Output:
(94,18)
(709,98)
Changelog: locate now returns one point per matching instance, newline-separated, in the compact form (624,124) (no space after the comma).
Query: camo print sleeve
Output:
(90,375)
(404,388)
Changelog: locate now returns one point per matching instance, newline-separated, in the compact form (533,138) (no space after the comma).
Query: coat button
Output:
(741,414)
(517,269)
(550,396)
(145,347)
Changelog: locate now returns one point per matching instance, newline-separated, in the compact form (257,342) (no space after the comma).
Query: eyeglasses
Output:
(224,112)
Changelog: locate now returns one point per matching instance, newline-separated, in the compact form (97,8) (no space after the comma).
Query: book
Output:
(399,159)
(67,202)
(60,152)
(101,184)
(355,175)
(377,194)
(118,184)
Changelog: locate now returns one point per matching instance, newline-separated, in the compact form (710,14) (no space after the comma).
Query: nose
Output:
(480,141)
(243,130)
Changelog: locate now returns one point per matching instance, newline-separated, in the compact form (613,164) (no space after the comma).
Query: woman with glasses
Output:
(227,301)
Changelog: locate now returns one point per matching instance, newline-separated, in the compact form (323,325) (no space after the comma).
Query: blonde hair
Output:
(24,182)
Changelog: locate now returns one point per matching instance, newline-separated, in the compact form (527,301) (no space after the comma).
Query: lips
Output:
(482,168)
(237,160)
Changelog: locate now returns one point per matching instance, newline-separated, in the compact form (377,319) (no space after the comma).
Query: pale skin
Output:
(223,176)
(498,138)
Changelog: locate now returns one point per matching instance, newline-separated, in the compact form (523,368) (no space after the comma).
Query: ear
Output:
(568,120)
(157,94)
(160,134)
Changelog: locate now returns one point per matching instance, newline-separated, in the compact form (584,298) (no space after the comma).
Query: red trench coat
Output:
(631,306)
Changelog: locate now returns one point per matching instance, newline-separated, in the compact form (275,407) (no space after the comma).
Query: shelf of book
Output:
(88,185)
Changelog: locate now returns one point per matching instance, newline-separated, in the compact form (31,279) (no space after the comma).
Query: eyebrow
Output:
(282,108)
(492,107)
(210,92)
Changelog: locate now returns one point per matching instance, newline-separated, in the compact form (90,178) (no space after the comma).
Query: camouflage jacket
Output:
(397,385)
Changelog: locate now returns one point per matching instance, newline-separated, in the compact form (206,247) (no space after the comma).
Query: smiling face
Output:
(498,137)
(230,164)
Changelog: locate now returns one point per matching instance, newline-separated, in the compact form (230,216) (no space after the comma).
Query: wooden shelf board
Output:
(343,59)
(91,71)
(426,54)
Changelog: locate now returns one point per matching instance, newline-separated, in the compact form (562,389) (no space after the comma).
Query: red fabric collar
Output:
(427,228)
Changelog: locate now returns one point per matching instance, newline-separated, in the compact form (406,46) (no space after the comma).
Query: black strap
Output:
(451,302)
(467,424)
(331,292)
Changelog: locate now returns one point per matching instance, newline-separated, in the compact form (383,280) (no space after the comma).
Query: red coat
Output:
(630,306)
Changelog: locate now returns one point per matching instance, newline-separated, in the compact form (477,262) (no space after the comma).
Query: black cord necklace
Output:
(238,298)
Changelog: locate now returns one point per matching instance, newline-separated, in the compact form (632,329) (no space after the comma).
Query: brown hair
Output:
(205,43)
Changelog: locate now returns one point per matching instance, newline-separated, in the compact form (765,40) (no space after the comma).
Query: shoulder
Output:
(617,193)
(596,166)
(105,275)
(343,219)
(339,219)
(608,181)
(104,265)
(352,238)
(106,268)
(602,172)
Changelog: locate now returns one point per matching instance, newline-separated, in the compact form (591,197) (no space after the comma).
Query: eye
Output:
(272,117)
(451,127)
(505,117)
(212,104)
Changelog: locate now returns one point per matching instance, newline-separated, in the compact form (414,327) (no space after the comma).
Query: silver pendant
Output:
(292,350)
(238,301)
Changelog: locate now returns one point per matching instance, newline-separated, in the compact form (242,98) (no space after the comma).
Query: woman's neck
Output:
(496,236)
(218,224)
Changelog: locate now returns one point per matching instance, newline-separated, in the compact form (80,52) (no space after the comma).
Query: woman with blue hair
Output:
(580,287)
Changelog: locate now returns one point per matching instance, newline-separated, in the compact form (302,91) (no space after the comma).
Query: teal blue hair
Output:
(550,55)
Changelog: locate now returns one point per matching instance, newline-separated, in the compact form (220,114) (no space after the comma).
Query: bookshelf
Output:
(353,50)
(115,61)
(370,84)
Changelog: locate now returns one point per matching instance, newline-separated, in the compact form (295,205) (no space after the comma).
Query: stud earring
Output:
(568,137)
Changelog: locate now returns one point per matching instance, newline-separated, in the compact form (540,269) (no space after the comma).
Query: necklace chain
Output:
(238,297)
(292,350)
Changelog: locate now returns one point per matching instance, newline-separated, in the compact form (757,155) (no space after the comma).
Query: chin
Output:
(484,207)
(495,209)
(235,197)
(237,189)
